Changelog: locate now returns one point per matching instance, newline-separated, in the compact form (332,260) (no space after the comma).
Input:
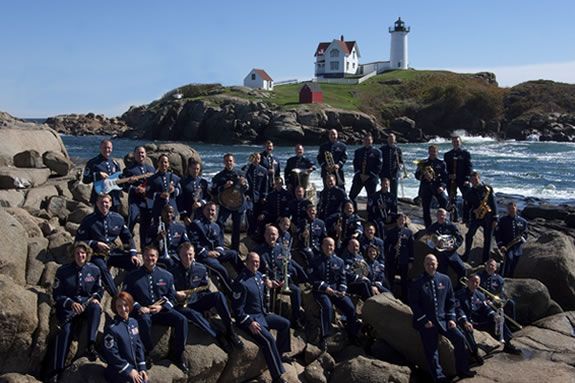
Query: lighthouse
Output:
(398,55)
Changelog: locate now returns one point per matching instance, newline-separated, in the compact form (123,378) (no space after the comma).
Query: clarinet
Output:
(71,317)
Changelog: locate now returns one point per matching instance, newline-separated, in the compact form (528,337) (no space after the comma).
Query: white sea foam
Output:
(465,138)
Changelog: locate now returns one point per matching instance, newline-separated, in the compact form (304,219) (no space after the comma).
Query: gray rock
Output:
(12,198)
(14,248)
(21,178)
(28,159)
(13,377)
(81,192)
(532,299)
(37,257)
(57,162)
(38,197)
(59,246)
(82,370)
(366,370)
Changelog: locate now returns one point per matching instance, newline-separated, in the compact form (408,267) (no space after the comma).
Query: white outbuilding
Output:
(259,79)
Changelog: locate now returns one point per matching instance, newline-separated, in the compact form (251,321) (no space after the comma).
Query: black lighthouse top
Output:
(399,26)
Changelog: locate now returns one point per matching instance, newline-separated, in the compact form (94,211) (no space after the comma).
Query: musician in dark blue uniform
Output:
(77,294)
(257,194)
(379,282)
(230,177)
(154,294)
(311,233)
(366,168)
(432,301)
(446,253)
(251,316)
(338,151)
(195,192)
(278,202)
(300,162)
(459,167)
(510,234)
(138,209)
(191,283)
(345,226)
(433,178)
(208,238)
(330,288)
(369,238)
(123,349)
(495,284)
(382,208)
(331,198)
(162,188)
(392,161)
(399,254)
(167,235)
(356,270)
(480,197)
(100,230)
(270,162)
(101,167)
(298,206)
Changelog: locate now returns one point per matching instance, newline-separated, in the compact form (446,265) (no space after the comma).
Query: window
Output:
(347,66)
(253,76)
(334,65)
(334,53)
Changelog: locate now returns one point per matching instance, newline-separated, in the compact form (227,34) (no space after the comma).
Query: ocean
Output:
(525,170)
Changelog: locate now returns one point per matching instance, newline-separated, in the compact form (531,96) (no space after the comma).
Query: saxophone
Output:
(330,166)
(483,208)
(193,291)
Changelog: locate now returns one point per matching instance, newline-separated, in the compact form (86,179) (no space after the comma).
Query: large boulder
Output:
(551,260)
(14,249)
(28,159)
(21,178)
(82,370)
(367,370)
(17,138)
(38,197)
(532,299)
(80,191)
(12,198)
(57,162)
(178,154)
(206,360)
(37,257)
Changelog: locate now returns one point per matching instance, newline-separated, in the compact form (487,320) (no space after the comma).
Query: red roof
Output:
(345,46)
(262,73)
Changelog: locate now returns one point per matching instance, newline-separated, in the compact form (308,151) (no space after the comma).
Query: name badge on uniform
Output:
(89,278)
(161,282)
(134,330)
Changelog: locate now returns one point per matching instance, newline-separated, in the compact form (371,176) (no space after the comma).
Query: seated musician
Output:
(330,288)
(77,292)
(208,238)
(382,208)
(298,206)
(167,236)
(100,230)
(399,254)
(311,233)
(252,317)
(162,188)
(331,198)
(357,270)
(511,233)
(154,295)
(277,204)
(191,282)
(446,247)
(376,276)
(195,192)
(369,238)
(123,349)
(473,312)
(344,225)
(495,284)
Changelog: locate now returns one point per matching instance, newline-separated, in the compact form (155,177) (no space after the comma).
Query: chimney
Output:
(341,38)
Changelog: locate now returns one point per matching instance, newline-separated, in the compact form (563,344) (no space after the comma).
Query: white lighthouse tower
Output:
(398,55)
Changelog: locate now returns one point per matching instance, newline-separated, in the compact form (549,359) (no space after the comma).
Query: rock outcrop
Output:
(87,124)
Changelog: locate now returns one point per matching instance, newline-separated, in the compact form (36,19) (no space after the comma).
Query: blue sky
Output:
(79,57)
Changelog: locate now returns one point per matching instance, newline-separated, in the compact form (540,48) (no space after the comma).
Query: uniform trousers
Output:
(430,340)
(326,303)
(171,318)
(215,265)
(475,224)
(194,312)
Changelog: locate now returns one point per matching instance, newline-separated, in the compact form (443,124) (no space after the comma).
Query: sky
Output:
(59,57)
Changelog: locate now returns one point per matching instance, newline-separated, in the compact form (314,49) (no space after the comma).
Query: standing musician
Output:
(167,235)
(195,192)
(459,167)
(270,162)
(154,295)
(510,234)
(331,198)
(101,167)
(495,284)
(123,348)
(449,239)
(366,168)
(344,226)
(191,282)
(432,301)
(163,187)
(77,293)
(138,208)
(433,176)
(369,238)
(392,161)
(228,178)
(330,288)
(208,238)
(332,151)
(298,206)
(399,255)
(357,271)
(311,233)
(474,313)
(382,208)
(479,210)
(100,230)
(277,203)
(251,315)
(299,161)
(257,194)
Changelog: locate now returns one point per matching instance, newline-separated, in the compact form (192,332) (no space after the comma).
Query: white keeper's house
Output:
(259,79)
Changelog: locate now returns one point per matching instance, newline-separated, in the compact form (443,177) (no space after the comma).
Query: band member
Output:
(330,288)
(257,177)
(474,313)
(270,162)
(272,254)
(138,209)
(299,161)
(154,295)
(366,168)
(252,316)
(332,151)
(195,192)
(479,210)
(445,248)
(382,208)
(399,254)
(100,231)
(357,271)
(101,167)
(191,282)
(278,203)
(167,235)
(331,198)
(369,238)
(433,178)
(77,293)
(208,238)
(459,167)
(298,206)
(392,161)
(510,234)
(345,226)
(230,177)
(283,225)
(432,301)
(379,283)
(495,284)
(163,187)
(123,349)
(311,233)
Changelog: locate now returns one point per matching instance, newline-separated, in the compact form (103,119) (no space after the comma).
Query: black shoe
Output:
(476,360)
(182,365)
(91,353)
(235,340)
(511,349)
(298,324)
(287,359)
(467,374)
